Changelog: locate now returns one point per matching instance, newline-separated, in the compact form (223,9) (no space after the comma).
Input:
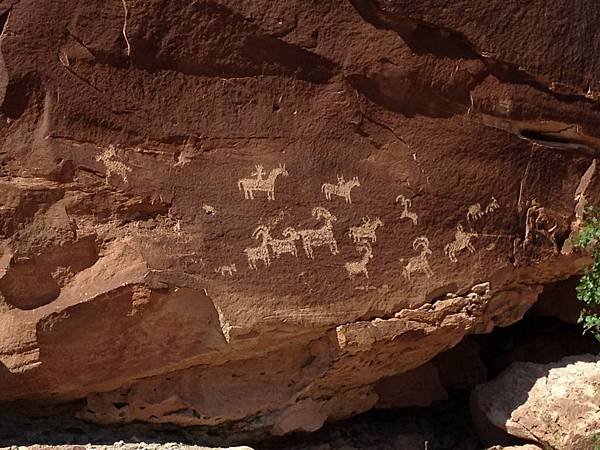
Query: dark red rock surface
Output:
(128,130)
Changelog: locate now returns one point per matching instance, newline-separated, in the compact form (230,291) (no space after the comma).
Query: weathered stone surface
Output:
(141,271)
(555,405)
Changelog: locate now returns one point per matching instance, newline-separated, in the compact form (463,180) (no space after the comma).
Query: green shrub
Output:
(588,290)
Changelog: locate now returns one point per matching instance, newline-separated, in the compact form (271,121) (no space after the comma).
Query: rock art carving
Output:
(407,203)
(209,210)
(260,253)
(462,240)
(228,269)
(320,236)
(113,164)
(539,223)
(258,183)
(419,263)
(360,267)
(341,189)
(286,245)
(476,212)
(366,231)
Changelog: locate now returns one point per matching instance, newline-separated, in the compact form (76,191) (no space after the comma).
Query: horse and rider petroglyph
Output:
(258,183)
(462,240)
(365,231)
(320,236)
(355,268)
(341,189)
(407,203)
(419,263)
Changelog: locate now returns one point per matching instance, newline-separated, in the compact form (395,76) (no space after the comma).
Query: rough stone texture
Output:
(555,405)
(134,269)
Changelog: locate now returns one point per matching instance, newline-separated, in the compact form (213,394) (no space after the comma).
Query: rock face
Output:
(259,213)
(555,405)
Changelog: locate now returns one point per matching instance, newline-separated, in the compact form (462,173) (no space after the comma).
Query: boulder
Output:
(554,405)
(246,214)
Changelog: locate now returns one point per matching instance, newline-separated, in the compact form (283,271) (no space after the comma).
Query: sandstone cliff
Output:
(258,213)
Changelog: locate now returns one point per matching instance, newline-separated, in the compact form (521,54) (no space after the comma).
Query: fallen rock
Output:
(554,405)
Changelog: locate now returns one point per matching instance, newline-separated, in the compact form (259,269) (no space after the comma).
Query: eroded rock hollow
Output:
(265,214)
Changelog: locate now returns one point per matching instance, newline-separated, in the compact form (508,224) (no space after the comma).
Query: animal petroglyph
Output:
(341,189)
(228,269)
(475,211)
(360,267)
(260,253)
(286,245)
(113,164)
(258,183)
(407,203)
(462,240)
(366,231)
(320,236)
(209,210)
(419,263)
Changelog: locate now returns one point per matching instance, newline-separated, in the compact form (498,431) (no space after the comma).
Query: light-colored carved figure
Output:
(113,164)
(341,189)
(360,267)
(419,263)
(260,253)
(407,203)
(539,223)
(228,269)
(320,236)
(475,212)
(493,206)
(365,231)
(287,245)
(249,185)
(462,240)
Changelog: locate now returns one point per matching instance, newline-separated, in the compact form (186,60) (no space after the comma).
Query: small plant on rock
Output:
(588,290)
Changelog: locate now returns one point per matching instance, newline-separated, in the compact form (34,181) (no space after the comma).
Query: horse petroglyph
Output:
(419,263)
(258,183)
(407,203)
(228,269)
(341,189)
(462,240)
(286,245)
(320,236)
(475,211)
(360,267)
(113,164)
(365,231)
(260,253)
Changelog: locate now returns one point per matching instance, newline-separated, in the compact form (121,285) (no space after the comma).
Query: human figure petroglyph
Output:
(366,231)
(539,223)
(228,269)
(260,253)
(360,267)
(249,185)
(476,212)
(320,236)
(341,189)
(462,240)
(286,245)
(407,203)
(419,263)
(113,164)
